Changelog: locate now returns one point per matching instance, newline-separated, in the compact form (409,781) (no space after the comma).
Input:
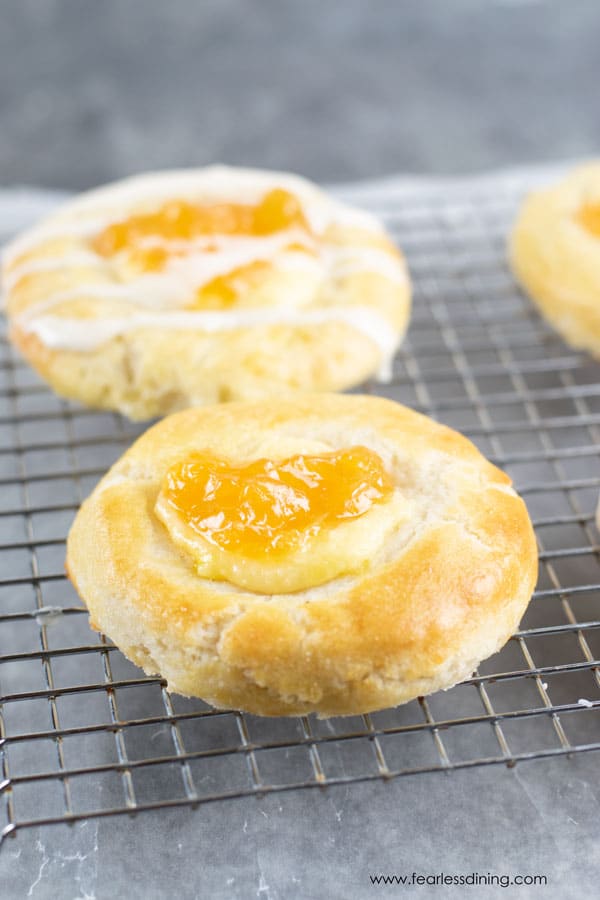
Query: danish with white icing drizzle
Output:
(230,261)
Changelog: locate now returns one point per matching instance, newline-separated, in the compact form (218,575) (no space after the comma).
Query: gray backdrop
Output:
(90,90)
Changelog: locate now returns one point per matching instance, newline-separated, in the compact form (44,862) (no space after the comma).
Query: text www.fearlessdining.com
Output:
(473,879)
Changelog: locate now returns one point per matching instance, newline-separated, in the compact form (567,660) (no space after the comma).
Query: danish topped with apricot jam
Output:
(192,287)
(337,554)
(555,254)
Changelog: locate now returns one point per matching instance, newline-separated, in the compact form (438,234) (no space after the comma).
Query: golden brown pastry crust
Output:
(557,260)
(437,599)
(147,371)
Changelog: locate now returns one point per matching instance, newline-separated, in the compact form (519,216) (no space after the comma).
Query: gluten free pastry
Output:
(189,287)
(338,554)
(555,254)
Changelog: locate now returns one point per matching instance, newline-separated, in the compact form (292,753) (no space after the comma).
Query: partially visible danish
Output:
(555,254)
(337,554)
(182,288)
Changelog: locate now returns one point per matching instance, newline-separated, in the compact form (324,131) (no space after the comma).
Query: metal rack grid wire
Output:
(83,733)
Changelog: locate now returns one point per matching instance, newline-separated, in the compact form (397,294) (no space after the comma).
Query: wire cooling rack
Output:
(83,733)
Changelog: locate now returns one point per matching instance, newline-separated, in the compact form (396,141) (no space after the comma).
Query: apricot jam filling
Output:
(588,216)
(274,508)
(149,241)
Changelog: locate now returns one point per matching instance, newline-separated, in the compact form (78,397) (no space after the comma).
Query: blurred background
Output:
(90,91)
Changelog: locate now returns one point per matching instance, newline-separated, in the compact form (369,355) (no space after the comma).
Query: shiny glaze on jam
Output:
(274,507)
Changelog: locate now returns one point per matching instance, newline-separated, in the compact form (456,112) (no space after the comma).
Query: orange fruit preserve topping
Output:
(589,217)
(269,507)
(147,235)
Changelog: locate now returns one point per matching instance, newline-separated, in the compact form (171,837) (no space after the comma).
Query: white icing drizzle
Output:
(83,335)
(182,276)
(186,274)
(347,260)
(80,259)
(58,228)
